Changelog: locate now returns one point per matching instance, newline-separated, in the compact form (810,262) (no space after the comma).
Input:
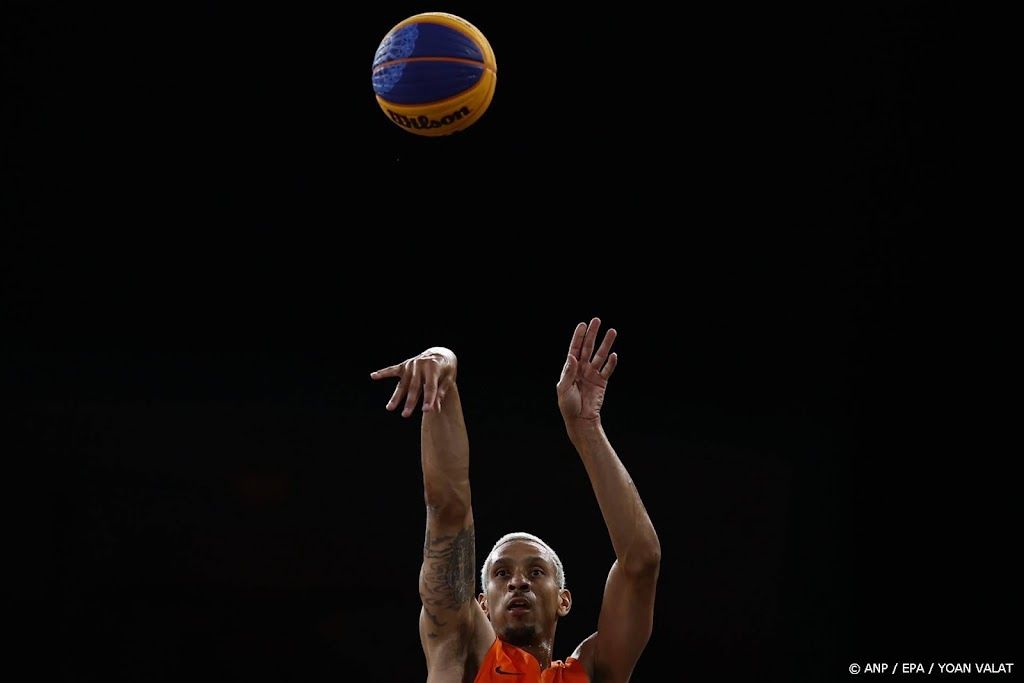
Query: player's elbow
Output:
(447,501)
(643,560)
(451,510)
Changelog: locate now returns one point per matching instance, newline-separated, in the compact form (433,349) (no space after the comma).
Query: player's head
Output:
(521,569)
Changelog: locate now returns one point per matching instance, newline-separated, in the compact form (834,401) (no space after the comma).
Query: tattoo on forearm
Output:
(448,570)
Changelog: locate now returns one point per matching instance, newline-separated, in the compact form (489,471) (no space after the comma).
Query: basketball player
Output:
(507,633)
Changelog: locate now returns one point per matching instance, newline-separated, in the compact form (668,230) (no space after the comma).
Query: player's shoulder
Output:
(462,650)
(584,654)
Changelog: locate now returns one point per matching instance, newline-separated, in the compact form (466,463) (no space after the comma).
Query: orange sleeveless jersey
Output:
(508,664)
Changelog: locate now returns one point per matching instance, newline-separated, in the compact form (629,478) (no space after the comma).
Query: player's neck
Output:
(540,651)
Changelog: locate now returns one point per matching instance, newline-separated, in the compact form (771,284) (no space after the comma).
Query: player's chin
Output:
(519,634)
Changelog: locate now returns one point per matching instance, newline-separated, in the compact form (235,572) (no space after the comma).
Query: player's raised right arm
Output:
(447,576)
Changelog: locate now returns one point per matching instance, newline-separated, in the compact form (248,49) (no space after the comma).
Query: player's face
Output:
(522,593)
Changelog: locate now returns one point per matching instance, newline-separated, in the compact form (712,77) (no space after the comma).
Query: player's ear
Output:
(482,599)
(564,602)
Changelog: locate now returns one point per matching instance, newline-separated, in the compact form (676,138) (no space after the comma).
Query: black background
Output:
(214,234)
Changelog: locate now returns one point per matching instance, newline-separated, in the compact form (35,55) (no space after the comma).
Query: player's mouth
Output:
(518,606)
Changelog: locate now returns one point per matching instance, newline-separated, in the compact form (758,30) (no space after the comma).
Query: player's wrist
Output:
(582,427)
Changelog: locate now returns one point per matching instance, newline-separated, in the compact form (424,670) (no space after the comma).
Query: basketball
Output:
(434,74)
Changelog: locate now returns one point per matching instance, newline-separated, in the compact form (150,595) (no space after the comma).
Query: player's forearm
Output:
(444,448)
(629,526)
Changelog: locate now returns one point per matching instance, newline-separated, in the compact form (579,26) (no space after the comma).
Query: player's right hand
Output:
(430,373)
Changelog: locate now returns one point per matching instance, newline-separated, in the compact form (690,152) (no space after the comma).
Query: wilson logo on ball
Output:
(422,122)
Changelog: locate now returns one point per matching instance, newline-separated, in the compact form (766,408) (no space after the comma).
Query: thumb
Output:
(568,374)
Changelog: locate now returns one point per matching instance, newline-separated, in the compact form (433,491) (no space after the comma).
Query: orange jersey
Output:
(506,663)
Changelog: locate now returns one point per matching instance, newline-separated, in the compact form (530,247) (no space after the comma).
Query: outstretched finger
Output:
(429,388)
(577,340)
(606,346)
(390,371)
(590,339)
(609,367)
(568,374)
(396,397)
(415,385)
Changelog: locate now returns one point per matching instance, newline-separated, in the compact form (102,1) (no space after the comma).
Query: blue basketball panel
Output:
(426,40)
(422,82)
